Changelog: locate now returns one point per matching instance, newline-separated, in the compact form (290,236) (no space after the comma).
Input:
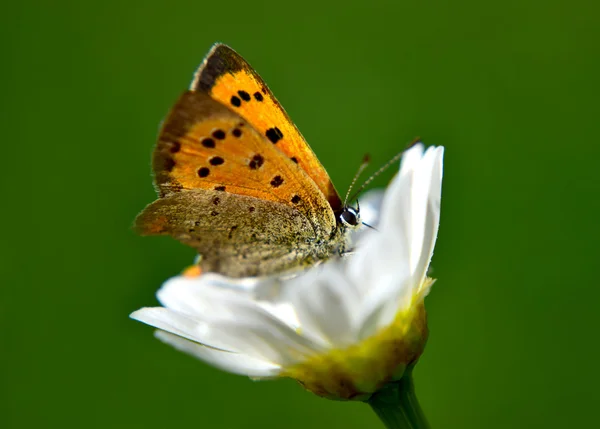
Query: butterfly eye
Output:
(350,217)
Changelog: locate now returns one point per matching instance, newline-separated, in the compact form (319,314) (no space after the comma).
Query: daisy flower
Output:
(349,329)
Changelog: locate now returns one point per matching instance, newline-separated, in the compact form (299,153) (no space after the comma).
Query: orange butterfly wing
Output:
(229,79)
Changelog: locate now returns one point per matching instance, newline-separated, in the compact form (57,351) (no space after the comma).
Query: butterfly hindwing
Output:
(228,78)
(237,235)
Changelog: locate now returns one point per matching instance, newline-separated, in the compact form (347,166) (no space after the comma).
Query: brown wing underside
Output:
(236,235)
(228,78)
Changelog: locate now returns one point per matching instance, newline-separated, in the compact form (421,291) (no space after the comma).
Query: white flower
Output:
(344,328)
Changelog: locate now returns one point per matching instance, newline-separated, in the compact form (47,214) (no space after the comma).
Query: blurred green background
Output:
(509,88)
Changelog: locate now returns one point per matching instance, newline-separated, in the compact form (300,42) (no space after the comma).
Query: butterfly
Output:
(237,181)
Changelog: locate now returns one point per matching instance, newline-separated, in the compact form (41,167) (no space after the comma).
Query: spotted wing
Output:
(228,78)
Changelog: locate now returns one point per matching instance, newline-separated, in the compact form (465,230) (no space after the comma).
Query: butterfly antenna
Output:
(383,168)
(363,165)
(369,226)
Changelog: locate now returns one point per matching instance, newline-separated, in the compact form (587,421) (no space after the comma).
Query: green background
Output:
(509,88)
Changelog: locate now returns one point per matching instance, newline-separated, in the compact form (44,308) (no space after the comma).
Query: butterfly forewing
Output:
(228,78)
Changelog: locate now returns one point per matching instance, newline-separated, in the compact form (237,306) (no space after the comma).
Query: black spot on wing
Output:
(277,181)
(216,160)
(256,162)
(274,134)
(244,95)
(208,142)
(219,134)
(203,172)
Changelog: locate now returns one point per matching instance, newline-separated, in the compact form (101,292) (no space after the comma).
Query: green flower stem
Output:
(397,406)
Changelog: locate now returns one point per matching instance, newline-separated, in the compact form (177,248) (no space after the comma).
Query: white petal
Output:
(194,296)
(381,262)
(255,333)
(432,217)
(270,342)
(214,297)
(392,261)
(227,361)
(327,304)
(184,326)
(411,158)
